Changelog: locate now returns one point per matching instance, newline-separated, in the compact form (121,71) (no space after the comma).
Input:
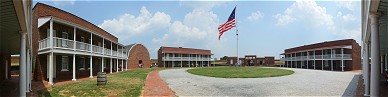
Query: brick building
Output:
(252,60)
(338,55)
(183,57)
(69,47)
(154,62)
(138,56)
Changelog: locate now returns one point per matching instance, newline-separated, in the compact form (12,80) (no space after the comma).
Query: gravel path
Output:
(302,83)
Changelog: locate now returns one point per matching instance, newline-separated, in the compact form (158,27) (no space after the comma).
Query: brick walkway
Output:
(155,86)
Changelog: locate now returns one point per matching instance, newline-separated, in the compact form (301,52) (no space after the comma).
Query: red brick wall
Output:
(322,44)
(231,58)
(160,55)
(137,53)
(43,10)
(356,56)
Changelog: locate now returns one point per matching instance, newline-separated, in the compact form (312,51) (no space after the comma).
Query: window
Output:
(48,33)
(82,40)
(82,63)
(65,63)
(64,42)
(231,61)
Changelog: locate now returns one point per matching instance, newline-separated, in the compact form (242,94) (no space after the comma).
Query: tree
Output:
(224,58)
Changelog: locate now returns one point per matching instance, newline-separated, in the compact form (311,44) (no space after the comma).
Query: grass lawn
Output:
(15,64)
(240,72)
(127,83)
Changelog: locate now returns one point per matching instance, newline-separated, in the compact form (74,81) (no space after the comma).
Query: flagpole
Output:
(235,18)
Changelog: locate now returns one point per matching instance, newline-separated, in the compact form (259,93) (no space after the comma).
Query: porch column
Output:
(91,57)
(323,55)
(110,65)
(117,56)
(164,60)
(181,60)
(74,79)
(308,57)
(51,64)
(366,69)
(122,60)
(103,53)
(189,60)
(208,63)
(91,67)
(314,60)
(196,60)
(375,64)
(301,60)
(111,53)
(173,59)
(117,65)
(102,64)
(22,66)
(74,48)
(342,59)
(331,57)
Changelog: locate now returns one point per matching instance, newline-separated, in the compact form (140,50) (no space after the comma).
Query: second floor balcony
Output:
(80,47)
(186,59)
(320,57)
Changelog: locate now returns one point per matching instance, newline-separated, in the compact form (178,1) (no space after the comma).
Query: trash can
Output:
(101,78)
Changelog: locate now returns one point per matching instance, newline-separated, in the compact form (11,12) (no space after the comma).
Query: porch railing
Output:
(61,43)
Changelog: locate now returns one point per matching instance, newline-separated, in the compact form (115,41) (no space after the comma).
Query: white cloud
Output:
(313,15)
(197,30)
(255,16)
(63,2)
(346,4)
(348,26)
(128,25)
(307,11)
(203,5)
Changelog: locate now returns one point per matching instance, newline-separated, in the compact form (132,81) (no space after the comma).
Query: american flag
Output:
(228,24)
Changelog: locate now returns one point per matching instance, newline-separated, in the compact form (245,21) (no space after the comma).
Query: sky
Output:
(266,28)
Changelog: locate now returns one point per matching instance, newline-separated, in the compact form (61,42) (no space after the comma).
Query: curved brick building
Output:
(138,56)
(338,55)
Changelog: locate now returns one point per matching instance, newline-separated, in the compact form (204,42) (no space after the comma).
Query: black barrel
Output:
(101,78)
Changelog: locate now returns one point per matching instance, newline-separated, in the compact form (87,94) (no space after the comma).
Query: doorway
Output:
(140,64)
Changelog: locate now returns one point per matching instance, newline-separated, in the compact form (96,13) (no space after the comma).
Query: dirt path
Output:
(155,86)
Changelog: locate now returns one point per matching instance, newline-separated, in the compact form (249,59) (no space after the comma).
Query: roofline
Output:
(75,16)
(319,43)
(182,47)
